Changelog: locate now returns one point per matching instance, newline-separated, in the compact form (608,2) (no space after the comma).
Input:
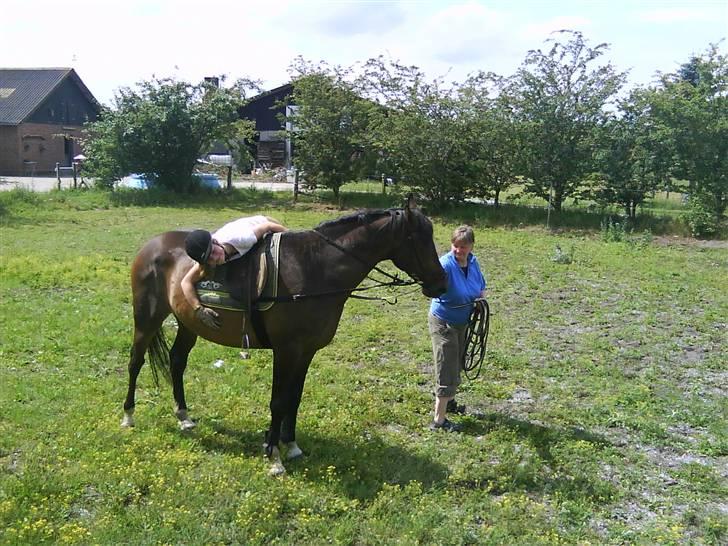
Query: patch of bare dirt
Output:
(675,240)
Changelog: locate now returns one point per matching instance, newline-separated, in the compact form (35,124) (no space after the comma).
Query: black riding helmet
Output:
(198,245)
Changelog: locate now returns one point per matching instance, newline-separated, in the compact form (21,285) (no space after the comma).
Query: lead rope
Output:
(476,339)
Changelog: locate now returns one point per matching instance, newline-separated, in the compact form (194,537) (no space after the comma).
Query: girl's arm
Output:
(193,276)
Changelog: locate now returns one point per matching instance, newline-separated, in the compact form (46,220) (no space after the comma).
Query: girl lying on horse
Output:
(228,243)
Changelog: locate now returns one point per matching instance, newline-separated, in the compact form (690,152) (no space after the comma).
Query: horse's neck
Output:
(356,250)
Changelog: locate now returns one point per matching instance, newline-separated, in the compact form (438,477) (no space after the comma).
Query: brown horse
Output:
(318,271)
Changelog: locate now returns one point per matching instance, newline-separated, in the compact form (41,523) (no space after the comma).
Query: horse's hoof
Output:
(127,421)
(294,452)
(274,456)
(277,469)
(187,424)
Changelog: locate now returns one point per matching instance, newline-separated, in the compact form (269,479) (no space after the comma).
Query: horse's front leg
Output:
(289,373)
(281,378)
(288,426)
(178,354)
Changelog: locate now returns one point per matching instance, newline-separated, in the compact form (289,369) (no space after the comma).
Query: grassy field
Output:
(599,417)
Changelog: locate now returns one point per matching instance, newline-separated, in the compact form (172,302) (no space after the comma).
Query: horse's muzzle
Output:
(435,289)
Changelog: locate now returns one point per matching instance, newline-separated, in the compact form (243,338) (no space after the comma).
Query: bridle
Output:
(394,280)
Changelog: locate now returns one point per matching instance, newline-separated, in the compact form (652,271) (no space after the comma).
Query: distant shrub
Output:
(614,231)
(563,257)
(701,217)
(643,239)
(16,198)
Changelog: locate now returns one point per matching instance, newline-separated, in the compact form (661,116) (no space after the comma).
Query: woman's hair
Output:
(463,234)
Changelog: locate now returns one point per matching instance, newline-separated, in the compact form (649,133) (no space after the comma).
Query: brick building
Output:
(42,112)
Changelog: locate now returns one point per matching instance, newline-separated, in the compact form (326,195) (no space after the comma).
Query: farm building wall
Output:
(34,148)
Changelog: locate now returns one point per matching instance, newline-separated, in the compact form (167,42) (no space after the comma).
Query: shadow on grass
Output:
(507,215)
(15,203)
(571,475)
(541,437)
(363,467)
(519,216)
(243,199)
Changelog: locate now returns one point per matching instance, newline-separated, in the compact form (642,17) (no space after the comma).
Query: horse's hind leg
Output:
(183,344)
(142,338)
(149,314)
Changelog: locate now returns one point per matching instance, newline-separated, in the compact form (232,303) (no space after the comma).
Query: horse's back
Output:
(163,243)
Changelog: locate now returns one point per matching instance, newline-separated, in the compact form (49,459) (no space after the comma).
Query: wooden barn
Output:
(42,112)
(272,149)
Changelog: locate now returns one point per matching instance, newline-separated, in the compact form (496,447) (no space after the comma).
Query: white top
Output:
(239,234)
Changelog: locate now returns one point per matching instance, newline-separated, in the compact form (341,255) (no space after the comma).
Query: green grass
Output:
(599,417)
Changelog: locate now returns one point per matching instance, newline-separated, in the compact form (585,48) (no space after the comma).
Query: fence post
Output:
(295,185)
(75,171)
(548,211)
(384,185)
(58,174)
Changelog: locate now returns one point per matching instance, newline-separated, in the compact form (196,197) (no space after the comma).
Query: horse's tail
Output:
(159,357)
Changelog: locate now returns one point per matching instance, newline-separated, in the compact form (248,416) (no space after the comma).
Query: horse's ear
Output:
(410,203)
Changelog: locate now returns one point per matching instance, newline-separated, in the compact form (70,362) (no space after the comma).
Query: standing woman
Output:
(448,321)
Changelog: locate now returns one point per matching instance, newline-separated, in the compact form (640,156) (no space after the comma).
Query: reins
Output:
(394,280)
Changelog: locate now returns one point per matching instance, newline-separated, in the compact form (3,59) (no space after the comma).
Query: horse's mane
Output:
(357,218)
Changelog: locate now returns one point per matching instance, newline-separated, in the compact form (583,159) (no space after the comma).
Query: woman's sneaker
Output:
(446,425)
(454,407)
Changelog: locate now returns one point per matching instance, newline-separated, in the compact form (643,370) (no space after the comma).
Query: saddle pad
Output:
(270,290)
(211,294)
(215,293)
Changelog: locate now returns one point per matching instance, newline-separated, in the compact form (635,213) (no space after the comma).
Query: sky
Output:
(117,43)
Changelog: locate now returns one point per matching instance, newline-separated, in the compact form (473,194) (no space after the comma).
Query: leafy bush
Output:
(161,129)
(701,217)
(561,257)
(614,231)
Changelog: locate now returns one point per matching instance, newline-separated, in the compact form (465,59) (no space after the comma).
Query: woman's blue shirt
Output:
(452,306)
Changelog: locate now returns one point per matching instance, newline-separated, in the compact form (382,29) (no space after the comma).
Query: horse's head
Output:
(416,255)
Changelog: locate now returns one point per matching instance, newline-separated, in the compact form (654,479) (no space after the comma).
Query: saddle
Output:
(241,284)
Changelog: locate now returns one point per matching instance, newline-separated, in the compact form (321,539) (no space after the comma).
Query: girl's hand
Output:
(208,317)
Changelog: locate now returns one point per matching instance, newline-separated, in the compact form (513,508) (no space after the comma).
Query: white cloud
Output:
(349,19)
(676,15)
(117,43)
(542,30)
(464,33)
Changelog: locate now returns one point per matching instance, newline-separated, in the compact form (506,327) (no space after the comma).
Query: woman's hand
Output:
(208,317)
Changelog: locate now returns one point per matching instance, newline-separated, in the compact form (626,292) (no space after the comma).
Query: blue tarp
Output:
(139,182)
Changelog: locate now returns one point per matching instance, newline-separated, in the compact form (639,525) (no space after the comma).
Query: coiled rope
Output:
(476,339)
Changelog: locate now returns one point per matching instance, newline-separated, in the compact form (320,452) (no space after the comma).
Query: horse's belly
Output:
(232,332)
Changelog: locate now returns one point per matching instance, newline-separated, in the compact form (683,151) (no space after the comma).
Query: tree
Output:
(329,126)
(420,131)
(162,128)
(492,138)
(691,106)
(559,101)
(629,158)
